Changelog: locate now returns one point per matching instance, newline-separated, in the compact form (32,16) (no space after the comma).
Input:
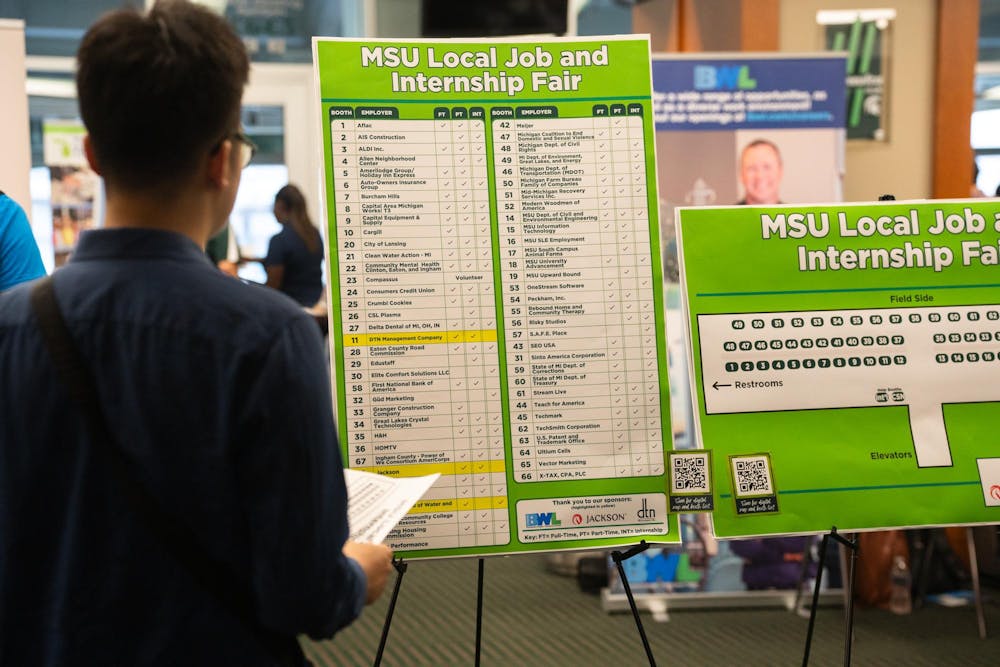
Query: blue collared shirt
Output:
(218,393)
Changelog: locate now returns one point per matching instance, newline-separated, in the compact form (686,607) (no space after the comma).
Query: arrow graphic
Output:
(716,385)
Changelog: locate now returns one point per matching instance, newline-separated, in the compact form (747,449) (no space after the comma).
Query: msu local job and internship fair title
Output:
(796,225)
(487,59)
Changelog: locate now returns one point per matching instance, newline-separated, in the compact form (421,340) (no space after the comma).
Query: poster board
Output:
(844,360)
(495,287)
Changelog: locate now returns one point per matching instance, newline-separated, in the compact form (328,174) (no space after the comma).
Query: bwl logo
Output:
(542,519)
(736,77)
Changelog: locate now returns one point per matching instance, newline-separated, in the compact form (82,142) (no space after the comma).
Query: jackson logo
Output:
(995,492)
(577,519)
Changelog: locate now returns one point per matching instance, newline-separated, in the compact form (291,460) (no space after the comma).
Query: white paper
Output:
(376,503)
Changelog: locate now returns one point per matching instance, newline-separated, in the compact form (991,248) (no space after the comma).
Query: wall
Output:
(902,165)
(16,163)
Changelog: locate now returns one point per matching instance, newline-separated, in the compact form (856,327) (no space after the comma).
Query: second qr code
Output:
(752,475)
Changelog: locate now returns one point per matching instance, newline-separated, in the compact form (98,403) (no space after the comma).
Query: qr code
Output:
(753,475)
(690,473)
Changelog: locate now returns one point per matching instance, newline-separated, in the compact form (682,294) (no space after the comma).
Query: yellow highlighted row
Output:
(421,469)
(469,336)
(459,504)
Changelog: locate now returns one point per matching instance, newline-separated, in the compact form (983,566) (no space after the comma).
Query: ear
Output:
(88,150)
(219,170)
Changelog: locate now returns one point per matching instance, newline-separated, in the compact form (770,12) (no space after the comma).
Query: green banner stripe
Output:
(857,98)
(866,52)
(852,46)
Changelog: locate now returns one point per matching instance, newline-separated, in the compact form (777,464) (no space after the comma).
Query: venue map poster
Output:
(495,287)
(844,363)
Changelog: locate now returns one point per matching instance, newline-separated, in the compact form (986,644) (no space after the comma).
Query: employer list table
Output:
(577,293)
(421,365)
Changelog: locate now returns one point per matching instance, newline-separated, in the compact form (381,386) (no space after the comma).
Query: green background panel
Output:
(822,466)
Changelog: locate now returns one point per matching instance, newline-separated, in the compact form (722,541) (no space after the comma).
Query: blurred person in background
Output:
(295,254)
(20,260)
(760,173)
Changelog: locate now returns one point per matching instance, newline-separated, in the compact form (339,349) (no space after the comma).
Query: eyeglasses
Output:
(247,147)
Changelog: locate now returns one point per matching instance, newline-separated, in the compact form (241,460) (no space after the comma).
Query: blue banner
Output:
(749,93)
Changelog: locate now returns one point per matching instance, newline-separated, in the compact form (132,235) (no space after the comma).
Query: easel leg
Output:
(400,571)
(815,600)
(849,630)
(479,612)
(977,594)
(849,622)
(803,571)
(618,557)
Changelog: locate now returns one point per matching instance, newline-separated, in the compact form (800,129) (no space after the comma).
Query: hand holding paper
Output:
(376,503)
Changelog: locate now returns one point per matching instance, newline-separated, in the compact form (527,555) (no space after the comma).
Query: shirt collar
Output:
(136,243)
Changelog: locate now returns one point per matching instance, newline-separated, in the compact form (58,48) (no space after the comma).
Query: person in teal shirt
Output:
(19,257)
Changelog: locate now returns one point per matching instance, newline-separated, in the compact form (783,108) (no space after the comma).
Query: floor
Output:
(534,617)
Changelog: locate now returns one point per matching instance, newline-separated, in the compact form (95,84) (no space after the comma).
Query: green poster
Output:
(496,290)
(844,363)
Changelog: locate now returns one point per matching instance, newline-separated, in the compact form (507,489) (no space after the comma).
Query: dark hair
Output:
(159,91)
(293,199)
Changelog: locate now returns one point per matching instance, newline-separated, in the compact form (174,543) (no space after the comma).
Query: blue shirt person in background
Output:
(214,393)
(19,257)
(295,254)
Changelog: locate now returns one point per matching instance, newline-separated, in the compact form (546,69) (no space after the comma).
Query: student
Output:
(19,257)
(760,173)
(295,254)
(188,506)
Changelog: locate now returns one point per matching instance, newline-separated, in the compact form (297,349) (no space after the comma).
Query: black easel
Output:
(479,611)
(849,630)
(618,557)
(400,570)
